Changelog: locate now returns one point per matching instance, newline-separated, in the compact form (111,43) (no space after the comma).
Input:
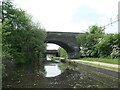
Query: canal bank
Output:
(108,78)
(71,76)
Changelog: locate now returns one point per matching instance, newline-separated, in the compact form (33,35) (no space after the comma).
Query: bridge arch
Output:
(62,44)
(66,40)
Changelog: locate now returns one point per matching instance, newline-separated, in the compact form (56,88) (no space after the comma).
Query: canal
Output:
(62,75)
(52,70)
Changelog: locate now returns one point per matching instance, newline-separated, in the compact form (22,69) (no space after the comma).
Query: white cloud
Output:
(58,15)
(71,15)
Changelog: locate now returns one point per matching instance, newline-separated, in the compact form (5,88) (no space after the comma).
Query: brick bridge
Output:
(66,40)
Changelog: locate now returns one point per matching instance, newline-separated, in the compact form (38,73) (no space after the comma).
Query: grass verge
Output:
(104,60)
(100,66)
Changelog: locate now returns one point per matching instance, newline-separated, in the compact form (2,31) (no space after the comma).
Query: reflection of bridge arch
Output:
(66,40)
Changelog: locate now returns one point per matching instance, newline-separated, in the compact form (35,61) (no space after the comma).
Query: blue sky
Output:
(71,15)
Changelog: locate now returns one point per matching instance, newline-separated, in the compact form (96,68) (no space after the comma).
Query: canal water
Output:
(51,69)
(57,76)
(74,78)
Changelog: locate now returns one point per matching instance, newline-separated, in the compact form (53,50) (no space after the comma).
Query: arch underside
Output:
(72,53)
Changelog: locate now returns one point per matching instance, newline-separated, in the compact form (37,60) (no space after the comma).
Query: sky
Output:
(71,15)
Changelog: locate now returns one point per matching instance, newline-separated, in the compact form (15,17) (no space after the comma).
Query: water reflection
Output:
(48,58)
(52,70)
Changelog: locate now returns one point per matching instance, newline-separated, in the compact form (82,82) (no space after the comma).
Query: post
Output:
(119,17)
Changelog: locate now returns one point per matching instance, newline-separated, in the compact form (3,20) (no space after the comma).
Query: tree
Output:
(94,29)
(88,39)
(23,39)
(62,52)
(109,46)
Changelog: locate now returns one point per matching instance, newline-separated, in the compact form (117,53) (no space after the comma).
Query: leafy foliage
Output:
(62,52)
(87,40)
(109,46)
(95,43)
(23,40)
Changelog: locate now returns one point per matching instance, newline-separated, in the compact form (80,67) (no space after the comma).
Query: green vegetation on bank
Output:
(96,43)
(62,52)
(22,39)
(99,66)
(104,60)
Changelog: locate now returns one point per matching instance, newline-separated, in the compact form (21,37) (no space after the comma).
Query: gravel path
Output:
(99,63)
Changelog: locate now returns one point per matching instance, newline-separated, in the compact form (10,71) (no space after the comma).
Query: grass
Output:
(97,65)
(95,78)
(62,66)
(104,60)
